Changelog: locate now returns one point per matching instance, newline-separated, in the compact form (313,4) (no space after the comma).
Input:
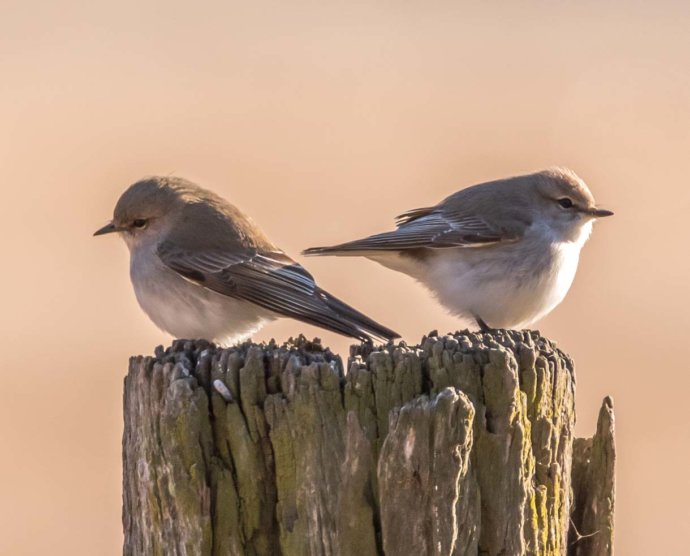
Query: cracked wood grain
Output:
(461,445)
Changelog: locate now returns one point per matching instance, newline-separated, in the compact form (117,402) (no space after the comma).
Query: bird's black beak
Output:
(109,228)
(601,213)
(597,213)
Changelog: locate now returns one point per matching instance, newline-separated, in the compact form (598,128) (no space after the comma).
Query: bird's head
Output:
(564,203)
(147,207)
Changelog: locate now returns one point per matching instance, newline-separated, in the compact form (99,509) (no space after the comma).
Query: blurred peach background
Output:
(323,121)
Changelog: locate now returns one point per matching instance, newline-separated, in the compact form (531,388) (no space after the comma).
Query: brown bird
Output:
(202,269)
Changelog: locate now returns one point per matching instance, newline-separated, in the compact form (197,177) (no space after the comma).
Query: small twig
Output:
(579,535)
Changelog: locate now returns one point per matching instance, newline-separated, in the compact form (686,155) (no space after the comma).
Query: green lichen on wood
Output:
(594,487)
(169,457)
(310,421)
(228,537)
(424,459)
(461,445)
(357,506)
(523,388)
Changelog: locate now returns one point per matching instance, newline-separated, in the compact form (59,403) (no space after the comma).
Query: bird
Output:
(503,253)
(202,269)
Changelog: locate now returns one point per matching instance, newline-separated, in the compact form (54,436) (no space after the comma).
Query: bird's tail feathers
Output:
(350,249)
(350,322)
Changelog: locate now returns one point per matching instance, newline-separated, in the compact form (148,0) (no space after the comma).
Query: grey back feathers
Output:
(498,211)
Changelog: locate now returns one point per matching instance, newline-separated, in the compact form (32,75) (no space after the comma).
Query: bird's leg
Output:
(482,325)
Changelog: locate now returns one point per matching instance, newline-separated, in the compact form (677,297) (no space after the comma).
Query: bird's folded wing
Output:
(435,228)
(427,228)
(273,281)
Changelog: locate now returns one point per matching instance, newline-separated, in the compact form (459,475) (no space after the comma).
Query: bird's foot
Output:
(482,325)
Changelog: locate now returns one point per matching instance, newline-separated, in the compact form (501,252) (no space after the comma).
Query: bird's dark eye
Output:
(140,223)
(565,202)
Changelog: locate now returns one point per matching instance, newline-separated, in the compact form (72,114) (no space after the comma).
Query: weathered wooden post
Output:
(462,445)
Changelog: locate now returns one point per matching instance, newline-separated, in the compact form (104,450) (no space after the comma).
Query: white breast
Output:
(507,286)
(187,310)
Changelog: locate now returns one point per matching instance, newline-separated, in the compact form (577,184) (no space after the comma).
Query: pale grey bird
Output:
(503,253)
(202,269)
